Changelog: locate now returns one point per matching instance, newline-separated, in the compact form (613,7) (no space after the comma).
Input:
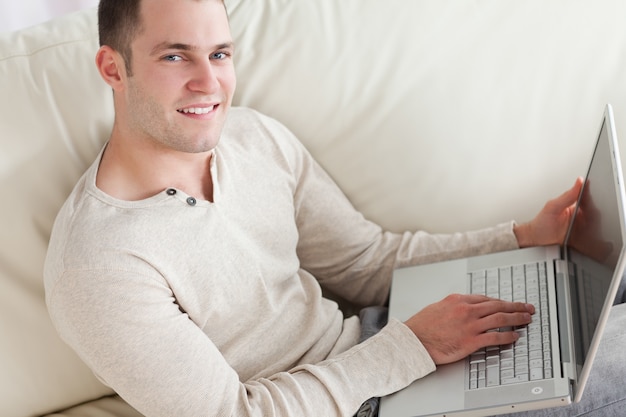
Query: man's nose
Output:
(204,77)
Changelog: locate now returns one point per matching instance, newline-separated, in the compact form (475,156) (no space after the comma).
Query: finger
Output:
(467,300)
(497,338)
(494,305)
(504,305)
(569,197)
(476,298)
(503,320)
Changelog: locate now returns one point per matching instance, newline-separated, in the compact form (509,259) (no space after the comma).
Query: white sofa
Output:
(443,115)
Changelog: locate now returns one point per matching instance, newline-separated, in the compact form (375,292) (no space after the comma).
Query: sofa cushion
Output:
(445,115)
(55,114)
(111,406)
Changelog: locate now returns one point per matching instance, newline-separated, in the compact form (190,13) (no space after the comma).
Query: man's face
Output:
(183,76)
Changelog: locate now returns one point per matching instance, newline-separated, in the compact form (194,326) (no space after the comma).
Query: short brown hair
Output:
(118,24)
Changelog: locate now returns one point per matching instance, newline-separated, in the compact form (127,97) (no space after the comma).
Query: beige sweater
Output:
(216,309)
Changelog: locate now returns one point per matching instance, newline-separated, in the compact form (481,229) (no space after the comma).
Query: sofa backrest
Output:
(438,114)
(55,114)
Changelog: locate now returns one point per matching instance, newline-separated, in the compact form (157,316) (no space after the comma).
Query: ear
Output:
(111,66)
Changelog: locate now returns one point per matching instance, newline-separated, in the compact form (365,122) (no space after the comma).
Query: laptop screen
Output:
(594,243)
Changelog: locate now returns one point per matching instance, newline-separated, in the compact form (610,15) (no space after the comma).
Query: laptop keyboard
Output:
(530,357)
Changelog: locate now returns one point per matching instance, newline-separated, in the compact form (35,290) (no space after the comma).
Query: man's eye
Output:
(172,58)
(220,55)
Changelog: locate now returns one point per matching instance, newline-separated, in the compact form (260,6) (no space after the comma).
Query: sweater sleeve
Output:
(383,364)
(354,257)
(130,331)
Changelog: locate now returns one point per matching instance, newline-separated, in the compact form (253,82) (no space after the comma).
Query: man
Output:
(186,267)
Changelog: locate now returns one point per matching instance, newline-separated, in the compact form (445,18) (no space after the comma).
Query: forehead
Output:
(200,23)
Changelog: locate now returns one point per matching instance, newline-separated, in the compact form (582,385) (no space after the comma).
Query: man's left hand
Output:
(550,225)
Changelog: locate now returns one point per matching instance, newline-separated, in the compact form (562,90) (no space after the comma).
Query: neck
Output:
(138,172)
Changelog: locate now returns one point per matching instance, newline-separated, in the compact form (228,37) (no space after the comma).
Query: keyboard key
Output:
(515,379)
(536,373)
(493,376)
(507,374)
(507,363)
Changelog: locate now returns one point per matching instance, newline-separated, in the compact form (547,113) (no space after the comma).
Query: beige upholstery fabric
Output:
(55,115)
(437,114)
(111,406)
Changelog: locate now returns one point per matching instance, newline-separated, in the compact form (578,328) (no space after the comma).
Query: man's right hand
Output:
(459,325)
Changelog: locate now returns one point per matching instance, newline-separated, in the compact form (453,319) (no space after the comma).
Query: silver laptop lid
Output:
(594,247)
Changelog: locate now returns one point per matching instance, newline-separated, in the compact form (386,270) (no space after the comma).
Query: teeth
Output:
(197,110)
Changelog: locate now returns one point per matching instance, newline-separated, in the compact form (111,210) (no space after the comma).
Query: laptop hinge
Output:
(564,310)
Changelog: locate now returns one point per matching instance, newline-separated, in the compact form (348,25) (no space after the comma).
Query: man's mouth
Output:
(197,110)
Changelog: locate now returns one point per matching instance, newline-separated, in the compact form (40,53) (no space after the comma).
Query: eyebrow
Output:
(164,46)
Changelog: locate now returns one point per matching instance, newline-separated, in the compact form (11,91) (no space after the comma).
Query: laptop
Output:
(572,286)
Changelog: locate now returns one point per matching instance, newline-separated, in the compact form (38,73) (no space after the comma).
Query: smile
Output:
(197,110)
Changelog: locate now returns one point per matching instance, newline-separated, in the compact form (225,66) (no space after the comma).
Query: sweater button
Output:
(171,191)
(191,201)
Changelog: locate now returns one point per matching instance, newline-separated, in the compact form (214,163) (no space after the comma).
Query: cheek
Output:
(229,80)
(232,83)
(159,80)
(162,88)
(161,95)
(144,106)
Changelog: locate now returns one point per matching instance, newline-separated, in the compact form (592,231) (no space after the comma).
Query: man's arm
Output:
(352,256)
(128,328)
